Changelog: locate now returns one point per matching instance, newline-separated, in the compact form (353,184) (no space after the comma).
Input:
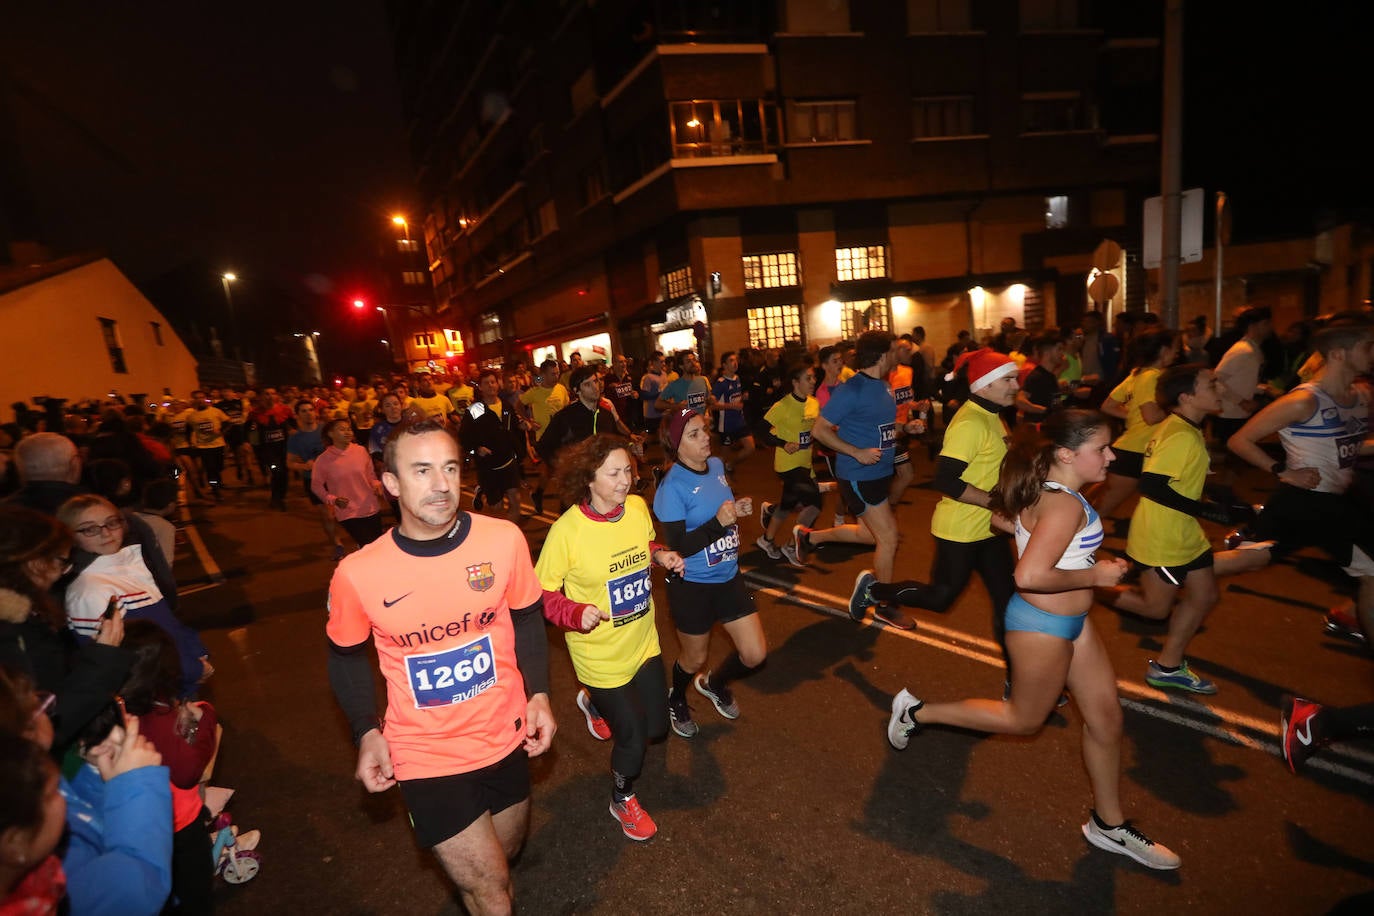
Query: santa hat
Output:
(985,366)
(677,424)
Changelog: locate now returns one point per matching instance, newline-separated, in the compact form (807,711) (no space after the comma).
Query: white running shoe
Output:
(1126,840)
(901,725)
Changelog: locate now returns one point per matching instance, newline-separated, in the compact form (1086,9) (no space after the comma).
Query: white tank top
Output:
(1330,439)
(1080,552)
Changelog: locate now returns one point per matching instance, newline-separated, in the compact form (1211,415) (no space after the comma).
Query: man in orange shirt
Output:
(452,605)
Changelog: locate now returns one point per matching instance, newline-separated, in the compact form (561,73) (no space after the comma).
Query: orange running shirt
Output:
(441,624)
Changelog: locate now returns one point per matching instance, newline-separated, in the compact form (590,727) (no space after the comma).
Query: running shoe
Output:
(634,820)
(765,513)
(768,547)
(902,724)
(1182,679)
(859,599)
(789,552)
(801,540)
(893,616)
(680,717)
(1342,623)
(1300,731)
(721,697)
(1127,840)
(595,723)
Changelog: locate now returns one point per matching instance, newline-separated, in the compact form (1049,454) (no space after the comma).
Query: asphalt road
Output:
(800,806)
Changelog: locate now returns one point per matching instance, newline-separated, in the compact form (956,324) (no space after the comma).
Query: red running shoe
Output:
(1342,623)
(597,725)
(1300,731)
(634,820)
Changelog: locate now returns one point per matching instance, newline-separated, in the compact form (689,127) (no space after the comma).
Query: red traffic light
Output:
(359,304)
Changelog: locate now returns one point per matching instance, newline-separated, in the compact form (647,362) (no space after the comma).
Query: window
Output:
(593,184)
(808,16)
(583,92)
(1046,15)
(413,277)
(109,329)
(821,122)
(1053,112)
(157,332)
(547,219)
(1056,212)
(864,263)
(734,127)
(424,339)
(765,271)
(862,315)
(489,328)
(676,283)
(924,16)
(407,244)
(774,325)
(936,117)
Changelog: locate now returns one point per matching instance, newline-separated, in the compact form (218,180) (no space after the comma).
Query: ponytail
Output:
(1031,456)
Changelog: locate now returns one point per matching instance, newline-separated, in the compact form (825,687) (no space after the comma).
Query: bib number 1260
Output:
(453,676)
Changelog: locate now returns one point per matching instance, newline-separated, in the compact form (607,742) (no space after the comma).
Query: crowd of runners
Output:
(1037,442)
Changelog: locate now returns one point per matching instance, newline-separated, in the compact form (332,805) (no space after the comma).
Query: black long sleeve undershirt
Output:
(531,647)
(687,542)
(1156,487)
(949,473)
(350,677)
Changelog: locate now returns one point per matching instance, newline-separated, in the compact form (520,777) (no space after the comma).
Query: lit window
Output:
(943,116)
(1056,212)
(676,283)
(864,263)
(413,277)
(863,315)
(1053,112)
(924,16)
(425,339)
(774,325)
(489,328)
(109,330)
(732,127)
(821,122)
(407,244)
(765,271)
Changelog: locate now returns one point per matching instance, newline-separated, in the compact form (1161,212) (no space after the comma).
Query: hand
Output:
(671,560)
(1304,478)
(792,448)
(744,506)
(1003,524)
(207,670)
(591,617)
(133,752)
(726,514)
(341,502)
(539,725)
(111,632)
(914,427)
(868,455)
(374,763)
(1108,573)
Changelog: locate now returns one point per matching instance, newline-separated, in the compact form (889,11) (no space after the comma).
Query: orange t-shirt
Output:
(899,380)
(441,624)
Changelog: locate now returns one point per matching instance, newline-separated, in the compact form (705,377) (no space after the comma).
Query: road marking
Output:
(207,562)
(1233,728)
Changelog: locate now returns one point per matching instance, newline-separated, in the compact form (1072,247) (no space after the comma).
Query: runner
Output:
(595,566)
(1165,535)
(344,480)
(269,425)
(489,429)
(726,402)
(859,423)
(544,399)
(908,383)
(1052,642)
(700,518)
(452,606)
(205,427)
(1134,401)
(686,390)
(790,422)
(302,448)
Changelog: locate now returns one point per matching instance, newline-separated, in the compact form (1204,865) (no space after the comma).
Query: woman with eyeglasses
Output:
(35,553)
(113,579)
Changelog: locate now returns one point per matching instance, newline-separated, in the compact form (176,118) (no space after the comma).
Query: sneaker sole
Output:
(682,731)
(714,702)
(892,721)
(1186,688)
(637,839)
(1102,842)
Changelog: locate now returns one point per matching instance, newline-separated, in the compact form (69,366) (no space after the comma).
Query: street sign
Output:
(1107,256)
(1190,245)
(1103,287)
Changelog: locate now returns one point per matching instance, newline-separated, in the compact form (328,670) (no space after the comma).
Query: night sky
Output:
(187,139)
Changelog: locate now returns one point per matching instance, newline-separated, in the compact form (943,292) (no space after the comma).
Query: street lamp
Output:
(401,221)
(225,279)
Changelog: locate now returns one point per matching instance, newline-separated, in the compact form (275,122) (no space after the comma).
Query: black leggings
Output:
(637,713)
(212,459)
(363,530)
(953,566)
(193,870)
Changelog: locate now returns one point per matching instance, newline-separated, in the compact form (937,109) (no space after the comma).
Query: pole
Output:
(390,339)
(233,325)
(1221,252)
(1171,165)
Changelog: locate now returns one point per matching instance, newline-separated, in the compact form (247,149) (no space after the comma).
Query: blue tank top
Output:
(1080,554)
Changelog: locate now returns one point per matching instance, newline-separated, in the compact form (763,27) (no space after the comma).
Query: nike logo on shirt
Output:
(386,603)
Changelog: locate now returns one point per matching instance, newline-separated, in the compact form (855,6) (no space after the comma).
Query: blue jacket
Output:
(118,858)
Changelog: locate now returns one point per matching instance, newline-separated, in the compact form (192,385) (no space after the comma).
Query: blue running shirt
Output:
(865,415)
(688,496)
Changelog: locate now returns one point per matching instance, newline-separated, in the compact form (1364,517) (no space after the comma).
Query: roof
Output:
(14,276)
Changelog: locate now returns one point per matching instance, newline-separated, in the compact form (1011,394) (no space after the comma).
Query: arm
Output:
(130,869)
(1028,407)
(826,434)
(319,484)
(687,542)
(1113,408)
(949,481)
(1156,487)
(1287,410)
(1057,522)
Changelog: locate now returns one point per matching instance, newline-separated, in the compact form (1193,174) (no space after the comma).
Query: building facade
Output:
(633,175)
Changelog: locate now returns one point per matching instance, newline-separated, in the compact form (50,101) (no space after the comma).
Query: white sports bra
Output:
(1080,553)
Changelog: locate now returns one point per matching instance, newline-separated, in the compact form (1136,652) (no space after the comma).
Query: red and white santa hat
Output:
(985,366)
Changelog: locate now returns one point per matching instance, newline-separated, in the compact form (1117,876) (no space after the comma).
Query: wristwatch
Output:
(1278,467)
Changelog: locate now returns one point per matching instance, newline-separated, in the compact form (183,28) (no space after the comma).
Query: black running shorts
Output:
(444,806)
(858,495)
(697,606)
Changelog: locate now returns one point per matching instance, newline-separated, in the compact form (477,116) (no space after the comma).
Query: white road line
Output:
(1231,727)
(207,562)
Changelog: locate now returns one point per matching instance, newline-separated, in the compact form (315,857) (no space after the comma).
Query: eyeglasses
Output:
(45,703)
(112,525)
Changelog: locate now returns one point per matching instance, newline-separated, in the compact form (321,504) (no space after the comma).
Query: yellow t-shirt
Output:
(1136,389)
(846,374)
(543,404)
(606,564)
(204,427)
(791,421)
(436,405)
(978,437)
(1161,536)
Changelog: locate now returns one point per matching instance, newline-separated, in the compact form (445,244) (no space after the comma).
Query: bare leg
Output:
(1093,684)
(513,505)
(747,635)
(1039,667)
(331,527)
(1154,599)
(1198,598)
(477,859)
(902,476)
(691,656)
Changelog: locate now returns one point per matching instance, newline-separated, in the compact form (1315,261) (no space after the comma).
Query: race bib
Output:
(629,596)
(1348,450)
(275,435)
(453,676)
(623,390)
(887,435)
(724,550)
(696,400)
(804,438)
(205,429)
(902,395)
(476,410)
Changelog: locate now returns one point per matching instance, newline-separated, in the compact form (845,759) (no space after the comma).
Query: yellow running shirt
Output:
(1135,389)
(1161,536)
(791,421)
(605,563)
(543,404)
(977,437)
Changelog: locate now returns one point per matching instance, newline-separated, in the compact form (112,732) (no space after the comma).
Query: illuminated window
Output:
(425,339)
(864,263)
(407,244)
(1056,212)
(676,283)
(1054,112)
(774,325)
(489,328)
(863,315)
(943,116)
(109,330)
(413,277)
(924,16)
(765,271)
(821,122)
(732,127)
(809,17)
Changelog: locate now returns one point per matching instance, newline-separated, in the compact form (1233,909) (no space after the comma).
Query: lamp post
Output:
(401,221)
(225,279)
